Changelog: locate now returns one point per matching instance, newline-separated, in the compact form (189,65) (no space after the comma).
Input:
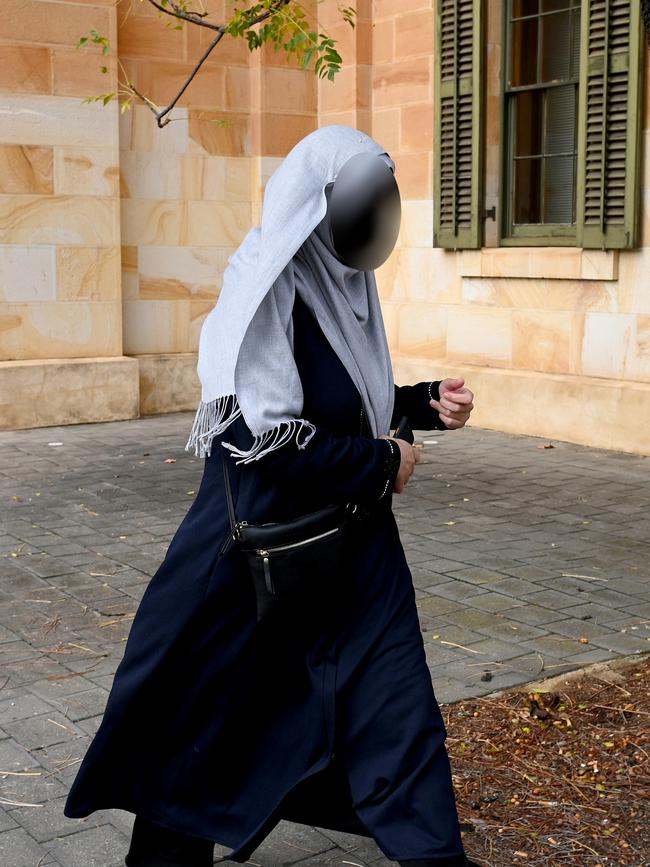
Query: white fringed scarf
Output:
(245,360)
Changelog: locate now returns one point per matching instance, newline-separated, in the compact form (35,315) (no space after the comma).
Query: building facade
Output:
(518,129)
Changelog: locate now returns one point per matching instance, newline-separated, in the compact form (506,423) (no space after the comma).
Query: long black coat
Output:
(219,728)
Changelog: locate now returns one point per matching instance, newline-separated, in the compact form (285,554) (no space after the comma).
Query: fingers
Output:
(410,457)
(452,419)
(458,382)
(451,410)
(454,423)
(461,401)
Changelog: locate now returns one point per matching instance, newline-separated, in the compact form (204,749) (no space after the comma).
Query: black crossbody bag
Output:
(298,558)
(291,559)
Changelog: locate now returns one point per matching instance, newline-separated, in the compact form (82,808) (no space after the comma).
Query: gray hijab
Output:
(246,363)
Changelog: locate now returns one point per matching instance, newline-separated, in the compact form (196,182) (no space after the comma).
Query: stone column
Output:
(61,353)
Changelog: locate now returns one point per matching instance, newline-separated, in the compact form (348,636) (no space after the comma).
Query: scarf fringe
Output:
(211,419)
(215,417)
(273,439)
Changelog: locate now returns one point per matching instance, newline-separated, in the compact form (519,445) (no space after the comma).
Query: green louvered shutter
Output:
(610,123)
(458,142)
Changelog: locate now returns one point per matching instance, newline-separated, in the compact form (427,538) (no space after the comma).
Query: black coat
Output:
(219,728)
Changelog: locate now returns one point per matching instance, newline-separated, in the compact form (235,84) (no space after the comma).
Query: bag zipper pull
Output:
(267,570)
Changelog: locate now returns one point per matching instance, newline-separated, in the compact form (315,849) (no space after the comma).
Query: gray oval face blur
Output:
(364,210)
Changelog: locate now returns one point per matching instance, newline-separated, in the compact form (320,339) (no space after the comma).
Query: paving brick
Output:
(62,759)
(16,651)
(19,849)
(495,602)
(451,632)
(331,858)
(577,629)
(557,646)
(511,586)
(475,575)
(456,590)
(510,631)
(48,822)
(24,672)
(491,649)
(529,572)
(551,599)
(622,644)
(102,846)
(14,757)
(535,615)
(43,730)
(6,820)
(433,604)
(595,613)
(24,706)
(472,619)
(610,597)
(84,704)
(290,843)
(589,656)
(44,566)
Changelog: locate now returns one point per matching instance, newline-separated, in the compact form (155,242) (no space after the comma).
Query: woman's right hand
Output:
(409,457)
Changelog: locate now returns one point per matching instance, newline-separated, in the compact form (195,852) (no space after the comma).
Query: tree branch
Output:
(195,18)
(202,60)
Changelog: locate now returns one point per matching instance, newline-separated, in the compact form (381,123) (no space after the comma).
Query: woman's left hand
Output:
(455,404)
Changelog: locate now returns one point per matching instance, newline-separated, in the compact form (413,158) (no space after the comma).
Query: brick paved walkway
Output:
(526,560)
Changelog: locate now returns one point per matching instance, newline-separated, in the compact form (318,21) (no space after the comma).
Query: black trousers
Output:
(153,845)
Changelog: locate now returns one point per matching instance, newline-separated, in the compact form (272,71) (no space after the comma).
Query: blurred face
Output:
(363,212)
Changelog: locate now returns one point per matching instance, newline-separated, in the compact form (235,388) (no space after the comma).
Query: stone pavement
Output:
(526,560)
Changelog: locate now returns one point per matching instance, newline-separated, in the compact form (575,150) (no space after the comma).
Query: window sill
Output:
(558,262)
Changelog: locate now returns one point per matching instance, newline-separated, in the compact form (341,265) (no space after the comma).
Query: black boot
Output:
(153,845)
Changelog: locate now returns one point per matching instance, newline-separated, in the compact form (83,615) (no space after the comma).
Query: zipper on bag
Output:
(263,551)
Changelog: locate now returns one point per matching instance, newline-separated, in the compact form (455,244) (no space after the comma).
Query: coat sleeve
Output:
(413,401)
(344,467)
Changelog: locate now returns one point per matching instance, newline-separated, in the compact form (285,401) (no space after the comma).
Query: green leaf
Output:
(307,56)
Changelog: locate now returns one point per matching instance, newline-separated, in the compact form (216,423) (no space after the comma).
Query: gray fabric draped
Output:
(245,362)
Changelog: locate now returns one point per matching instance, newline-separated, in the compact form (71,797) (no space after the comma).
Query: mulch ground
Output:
(558,775)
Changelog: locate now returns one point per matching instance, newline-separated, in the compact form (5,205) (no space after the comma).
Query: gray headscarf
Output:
(245,362)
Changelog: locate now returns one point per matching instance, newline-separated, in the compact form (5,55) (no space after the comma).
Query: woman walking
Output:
(217,726)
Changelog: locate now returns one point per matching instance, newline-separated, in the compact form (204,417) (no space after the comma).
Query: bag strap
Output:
(226,476)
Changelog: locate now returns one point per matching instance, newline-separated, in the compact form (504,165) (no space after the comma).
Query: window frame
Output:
(528,234)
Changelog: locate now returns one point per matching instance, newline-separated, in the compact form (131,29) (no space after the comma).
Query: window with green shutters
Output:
(571,113)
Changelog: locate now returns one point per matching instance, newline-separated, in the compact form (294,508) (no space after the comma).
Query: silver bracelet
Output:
(431,397)
(392,449)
